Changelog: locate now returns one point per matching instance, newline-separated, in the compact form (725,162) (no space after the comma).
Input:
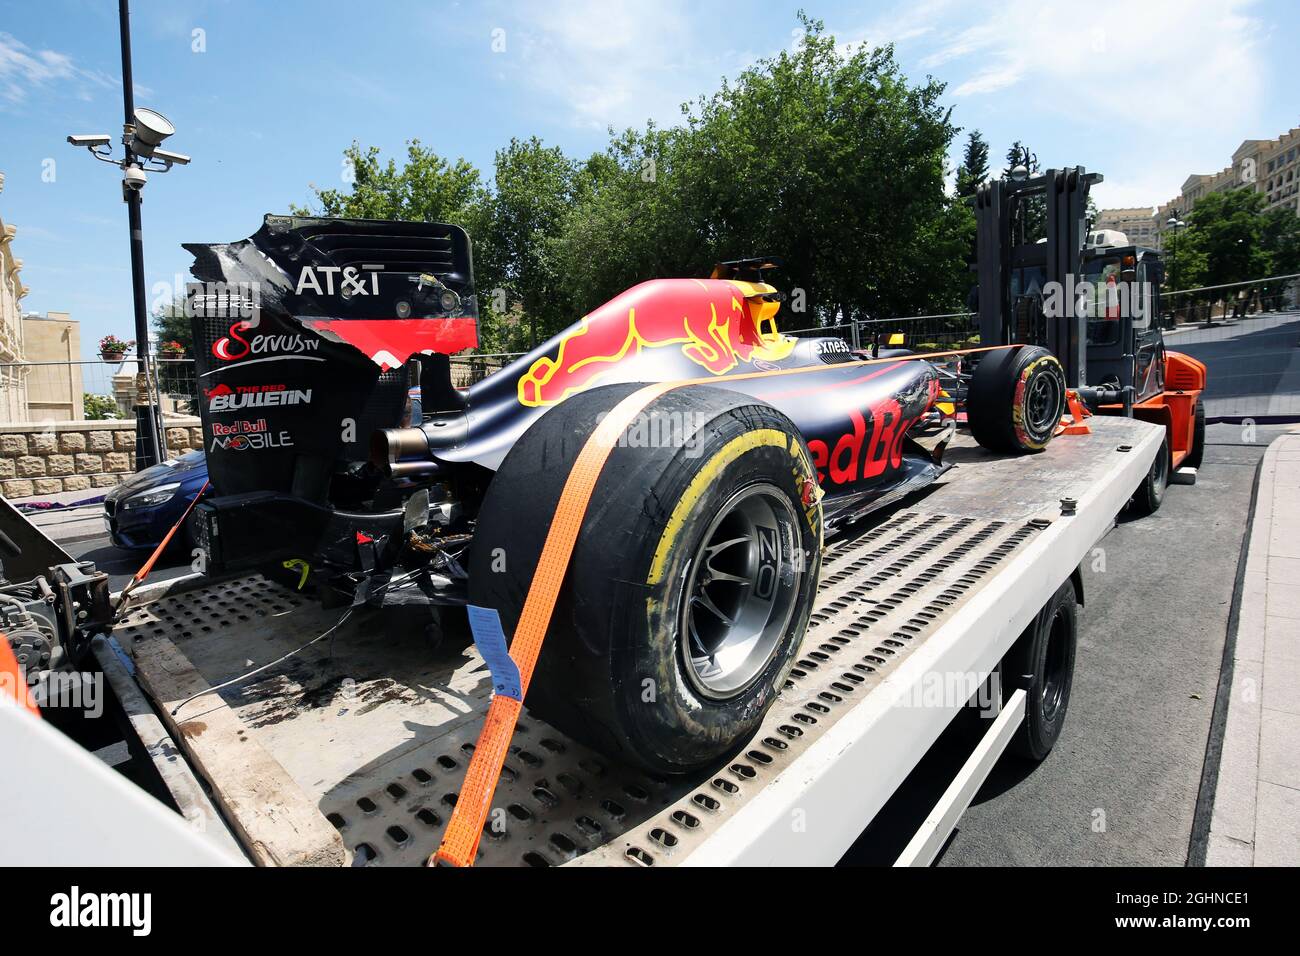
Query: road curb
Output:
(1233,809)
(1202,819)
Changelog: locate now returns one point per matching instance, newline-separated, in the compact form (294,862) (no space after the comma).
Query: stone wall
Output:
(46,458)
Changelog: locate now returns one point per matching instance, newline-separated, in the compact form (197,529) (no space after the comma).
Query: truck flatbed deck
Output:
(374,730)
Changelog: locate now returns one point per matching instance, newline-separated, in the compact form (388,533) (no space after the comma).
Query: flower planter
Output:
(112,356)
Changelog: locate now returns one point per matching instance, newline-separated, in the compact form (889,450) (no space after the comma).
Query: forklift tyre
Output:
(1016,399)
(1149,495)
(1042,664)
(1197,453)
(691,580)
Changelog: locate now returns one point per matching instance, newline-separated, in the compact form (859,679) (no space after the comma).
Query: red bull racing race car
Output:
(693,576)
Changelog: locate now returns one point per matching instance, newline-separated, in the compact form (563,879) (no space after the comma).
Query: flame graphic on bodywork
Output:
(717,324)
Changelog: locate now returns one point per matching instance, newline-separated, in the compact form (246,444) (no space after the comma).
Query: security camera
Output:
(90,141)
(167,156)
(133,177)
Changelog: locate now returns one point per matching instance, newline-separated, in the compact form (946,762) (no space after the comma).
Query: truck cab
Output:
(1120,299)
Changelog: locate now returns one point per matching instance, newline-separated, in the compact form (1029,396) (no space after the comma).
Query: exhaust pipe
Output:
(388,446)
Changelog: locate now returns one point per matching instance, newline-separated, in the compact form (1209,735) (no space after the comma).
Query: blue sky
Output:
(1146,92)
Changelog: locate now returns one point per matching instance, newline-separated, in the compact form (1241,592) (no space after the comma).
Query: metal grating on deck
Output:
(880,594)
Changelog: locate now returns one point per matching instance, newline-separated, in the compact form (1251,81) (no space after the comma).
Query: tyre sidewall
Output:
(613,627)
(1030,365)
(683,725)
(997,398)
(1039,733)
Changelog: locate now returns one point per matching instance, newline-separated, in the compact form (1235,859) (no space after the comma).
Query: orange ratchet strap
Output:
(147,567)
(465,828)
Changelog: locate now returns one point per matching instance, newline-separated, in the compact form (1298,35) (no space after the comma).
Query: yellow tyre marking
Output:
(729,452)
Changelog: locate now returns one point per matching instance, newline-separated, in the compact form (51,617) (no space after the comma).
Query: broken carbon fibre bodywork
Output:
(305,334)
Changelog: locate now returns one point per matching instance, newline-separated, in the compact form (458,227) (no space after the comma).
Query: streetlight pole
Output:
(148,447)
(143,132)
(1174,223)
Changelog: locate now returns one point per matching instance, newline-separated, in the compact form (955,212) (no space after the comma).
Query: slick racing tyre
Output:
(1016,399)
(691,580)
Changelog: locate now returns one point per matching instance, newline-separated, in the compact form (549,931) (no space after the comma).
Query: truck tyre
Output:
(1197,453)
(1149,495)
(1042,664)
(691,581)
(1016,399)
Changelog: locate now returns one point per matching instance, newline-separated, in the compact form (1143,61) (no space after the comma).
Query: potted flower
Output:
(171,351)
(111,348)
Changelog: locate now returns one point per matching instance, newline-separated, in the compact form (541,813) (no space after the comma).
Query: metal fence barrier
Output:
(1248,336)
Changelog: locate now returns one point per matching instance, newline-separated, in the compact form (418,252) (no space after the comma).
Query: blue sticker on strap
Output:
(490,640)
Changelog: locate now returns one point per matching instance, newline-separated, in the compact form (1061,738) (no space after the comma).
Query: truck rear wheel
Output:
(1016,399)
(1042,664)
(1197,453)
(1151,493)
(691,582)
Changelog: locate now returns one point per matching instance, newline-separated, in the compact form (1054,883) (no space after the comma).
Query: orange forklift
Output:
(1093,299)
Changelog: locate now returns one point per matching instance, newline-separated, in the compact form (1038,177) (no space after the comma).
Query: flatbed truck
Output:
(352,751)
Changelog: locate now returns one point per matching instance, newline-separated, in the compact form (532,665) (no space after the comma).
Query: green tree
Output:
(1226,229)
(426,188)
(1279,239)
(99,407)
(176,378)
(974,168)
(533,189)
(832,161)
(171,324)
(1185,262)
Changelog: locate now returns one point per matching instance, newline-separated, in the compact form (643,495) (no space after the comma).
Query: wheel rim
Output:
(1042,405)
(1160,469)
(740,591)
(1054,667)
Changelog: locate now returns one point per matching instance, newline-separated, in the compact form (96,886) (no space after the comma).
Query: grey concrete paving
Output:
(1257,802)
(1121,786)
(82,534)
(66,525)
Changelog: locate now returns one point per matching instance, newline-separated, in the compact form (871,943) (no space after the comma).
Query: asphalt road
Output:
(1121,785)
(122,564)
(1254,364)
(1120,788)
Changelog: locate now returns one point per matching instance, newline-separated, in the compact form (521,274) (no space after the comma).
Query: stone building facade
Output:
(13,375)
(1268,166)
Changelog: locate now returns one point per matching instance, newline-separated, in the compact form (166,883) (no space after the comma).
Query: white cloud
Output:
(1162,61)
(1152,91)
(616,62)
(23,69)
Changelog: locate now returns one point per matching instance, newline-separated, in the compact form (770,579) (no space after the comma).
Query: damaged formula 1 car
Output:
(696,566)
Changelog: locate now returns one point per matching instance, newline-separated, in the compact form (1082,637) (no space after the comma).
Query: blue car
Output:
(141,510)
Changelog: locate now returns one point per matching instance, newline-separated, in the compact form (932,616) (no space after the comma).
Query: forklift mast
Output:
(1014,267)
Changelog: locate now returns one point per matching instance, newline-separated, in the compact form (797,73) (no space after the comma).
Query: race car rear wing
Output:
(390,289)
(302,334)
